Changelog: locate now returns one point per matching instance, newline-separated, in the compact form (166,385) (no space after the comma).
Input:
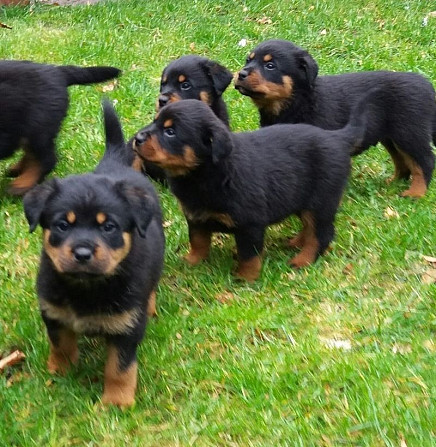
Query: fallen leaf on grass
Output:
(109,87)
(225,297)
(338,344)
(2,25)
(390,213)
(429,277)
(11,359)
(430,259)
(264,21)
(401,348)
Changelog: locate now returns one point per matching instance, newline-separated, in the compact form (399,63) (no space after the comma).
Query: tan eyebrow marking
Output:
(252,55)
(182,78)
(168,123)
(267,58)
(100,217)
(71,217)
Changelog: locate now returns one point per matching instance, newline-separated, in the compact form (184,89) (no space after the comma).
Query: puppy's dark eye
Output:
(62,225)
(109,227)
(185,85)
(270,66)
(169,132)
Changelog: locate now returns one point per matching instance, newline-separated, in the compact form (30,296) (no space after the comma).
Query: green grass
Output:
(226,363)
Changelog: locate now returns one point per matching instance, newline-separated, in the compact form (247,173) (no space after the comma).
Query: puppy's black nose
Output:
(140,137)
(82,254)
(242,74)
(163,100)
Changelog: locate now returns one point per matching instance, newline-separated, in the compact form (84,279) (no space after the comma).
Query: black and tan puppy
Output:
(241,183)
(282,80)
(33,103)
(101,261)
(192,77)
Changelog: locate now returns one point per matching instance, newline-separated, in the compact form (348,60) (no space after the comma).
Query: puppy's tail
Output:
(357,125)
(87,75)
(116,149)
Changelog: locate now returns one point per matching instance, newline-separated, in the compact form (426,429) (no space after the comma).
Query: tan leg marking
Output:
(401,168)
(309,251)
(119,386)
(151,306)
(28,178)
(200,245)
(297,241)
(418,187)
(249,269)
(65,354)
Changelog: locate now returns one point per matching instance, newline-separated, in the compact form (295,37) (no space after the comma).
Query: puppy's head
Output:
(273,71)
(193,77)
(183,136)
(89,222)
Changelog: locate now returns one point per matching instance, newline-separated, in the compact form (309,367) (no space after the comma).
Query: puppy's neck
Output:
(298,108)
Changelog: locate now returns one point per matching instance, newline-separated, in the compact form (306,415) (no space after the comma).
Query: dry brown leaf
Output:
(430,259)
(2,25)
(348,269)
(264,21)
(401,348)
(11,359)
(390,213)
(225,297)
(109,87)
(192,46)
(429,277)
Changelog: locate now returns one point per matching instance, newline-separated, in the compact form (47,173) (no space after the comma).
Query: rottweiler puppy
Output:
(241,183)
(192,77)
(102,255)
(33,103)
(282,80)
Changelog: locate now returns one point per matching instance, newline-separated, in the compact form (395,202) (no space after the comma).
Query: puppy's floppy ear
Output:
(221,77)
(221,141)
(35,200)
(143,206)
(309,66)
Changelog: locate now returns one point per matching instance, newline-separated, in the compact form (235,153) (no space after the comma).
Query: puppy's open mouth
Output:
(247,91)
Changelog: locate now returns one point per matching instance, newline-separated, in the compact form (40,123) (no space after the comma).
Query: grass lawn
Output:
(341,353)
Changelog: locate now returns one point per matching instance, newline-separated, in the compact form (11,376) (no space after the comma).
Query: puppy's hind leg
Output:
(402,171)
(311,245)
(417,155)
(421,174)
(38,161)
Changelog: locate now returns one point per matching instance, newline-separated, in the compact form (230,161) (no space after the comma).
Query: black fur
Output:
(405,122)
(33,103)
(83,287)
(241,183)
(204,79)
